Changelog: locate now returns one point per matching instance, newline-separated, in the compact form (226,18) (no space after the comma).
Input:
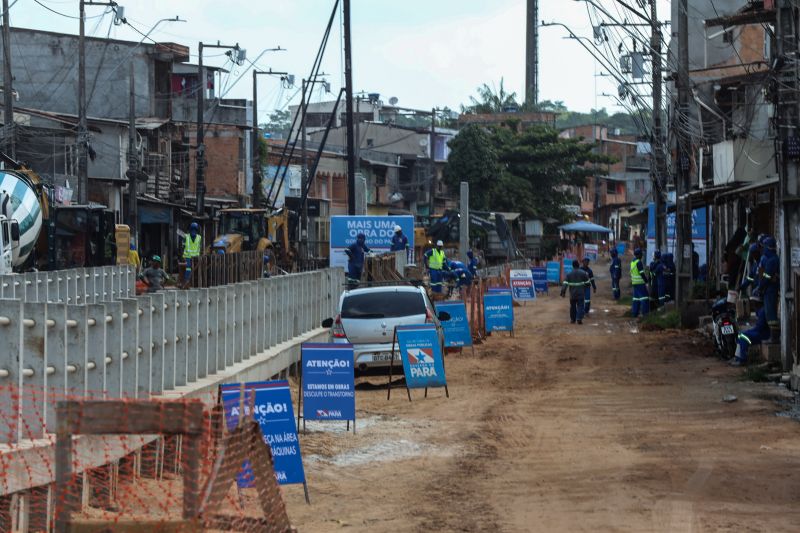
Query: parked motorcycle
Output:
(726,331)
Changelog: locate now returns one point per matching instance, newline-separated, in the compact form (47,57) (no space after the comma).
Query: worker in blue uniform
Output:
(639,278)
(437,264)
(749,281)
(655,265)
(577,281)
(616,273)
(587,292)
(472,264)
(355,255)
(399,241)
(668,260)
(657,273)
(755,335)
(769,284)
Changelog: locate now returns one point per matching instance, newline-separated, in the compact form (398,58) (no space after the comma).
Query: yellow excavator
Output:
(246,229)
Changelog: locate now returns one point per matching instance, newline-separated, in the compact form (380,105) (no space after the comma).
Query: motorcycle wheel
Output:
(729,346)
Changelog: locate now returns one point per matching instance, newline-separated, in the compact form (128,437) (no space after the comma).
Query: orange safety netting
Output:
(95,464)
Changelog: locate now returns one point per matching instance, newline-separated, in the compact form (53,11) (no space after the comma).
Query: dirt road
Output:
(597,427)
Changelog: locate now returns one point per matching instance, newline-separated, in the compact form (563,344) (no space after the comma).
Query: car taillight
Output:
(338,330)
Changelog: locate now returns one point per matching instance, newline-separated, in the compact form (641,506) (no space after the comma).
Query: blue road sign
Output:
(539,275)
(498,311)
(456,330)
(272,409)
(554,272)
(328,382)
(421,355)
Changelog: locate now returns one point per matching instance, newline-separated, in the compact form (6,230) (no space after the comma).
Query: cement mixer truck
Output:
(20,219)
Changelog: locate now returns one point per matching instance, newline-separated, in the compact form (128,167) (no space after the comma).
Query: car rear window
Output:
(383,305)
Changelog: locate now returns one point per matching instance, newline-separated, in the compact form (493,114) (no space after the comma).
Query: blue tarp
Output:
(586,227)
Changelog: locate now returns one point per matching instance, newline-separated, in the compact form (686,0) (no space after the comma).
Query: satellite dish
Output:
(393,100)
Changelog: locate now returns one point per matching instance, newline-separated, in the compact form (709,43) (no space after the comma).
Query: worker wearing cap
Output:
(616,273)
(133,257)
(191,250)
(437,263)
(587,291)
(154,276)
(399,241)
(657,287)
(472,264)
(641,299)
(355,255)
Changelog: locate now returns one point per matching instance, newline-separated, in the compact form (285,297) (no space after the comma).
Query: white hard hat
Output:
(439,243)
(397,228)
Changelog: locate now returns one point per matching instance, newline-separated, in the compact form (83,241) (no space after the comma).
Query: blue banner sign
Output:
(272,409)
(328,382)
(554,272)
(522,285)
(498,311)
(421,355)
(378,231)
(568,266)
(456,330)
(621,248)
(539,275)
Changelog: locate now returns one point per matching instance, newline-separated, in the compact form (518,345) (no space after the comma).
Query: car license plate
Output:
(384,357)
(727,330)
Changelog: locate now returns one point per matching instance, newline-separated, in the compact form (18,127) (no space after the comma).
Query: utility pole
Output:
(683,208)
(200,153)
(432,152)
(83,130)
(258,192)
(304,172)
(8,101)
(348,83)
(463,222)
(787,124)
(133,166)
(532,54)
(659,158)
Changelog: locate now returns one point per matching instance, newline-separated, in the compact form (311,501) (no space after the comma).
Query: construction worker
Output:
(756,335)
(154,276)
(587,292)
(769,285)
(616,273)
(657,287)
(133,257)
(472,265)
(191,250)
(436,262)
(668,262)
(399,241)
(577,282)
(355,255)
(641,299)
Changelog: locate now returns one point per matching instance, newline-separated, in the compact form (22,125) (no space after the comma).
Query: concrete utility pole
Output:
(532,54)
(787,119)
(8,100)
(304,172)
(133,166)
(258,193)
(659,158)
(432,152)
(83,130)
(348,84)
(683,208)
(463,222)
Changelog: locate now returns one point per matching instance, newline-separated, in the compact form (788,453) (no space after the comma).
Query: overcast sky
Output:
(425,53)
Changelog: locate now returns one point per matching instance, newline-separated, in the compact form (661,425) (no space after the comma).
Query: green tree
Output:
(491,100)
(526,171)
(279,123)
(473,159)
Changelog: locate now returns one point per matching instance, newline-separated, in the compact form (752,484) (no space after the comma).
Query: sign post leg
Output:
(300,399)
(305,491)
(391,366)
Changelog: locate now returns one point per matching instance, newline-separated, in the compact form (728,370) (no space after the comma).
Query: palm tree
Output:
(491,100)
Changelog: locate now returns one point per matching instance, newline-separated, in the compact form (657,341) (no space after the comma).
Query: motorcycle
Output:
(726,331)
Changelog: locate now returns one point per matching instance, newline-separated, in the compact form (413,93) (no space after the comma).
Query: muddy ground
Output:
(600,427)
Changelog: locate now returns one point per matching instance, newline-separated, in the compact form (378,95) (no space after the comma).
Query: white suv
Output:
(367,317)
